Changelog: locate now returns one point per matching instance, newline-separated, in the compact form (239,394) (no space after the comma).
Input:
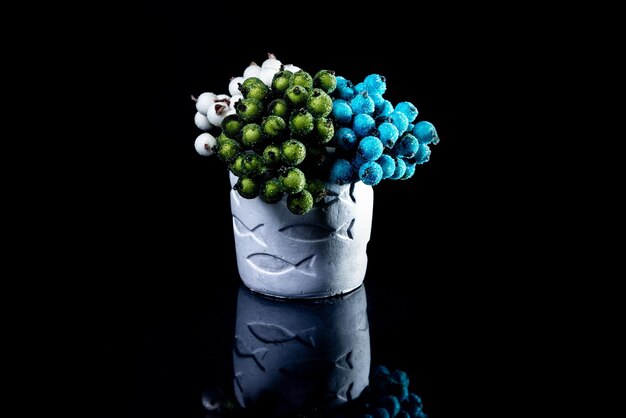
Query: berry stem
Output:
(194,98)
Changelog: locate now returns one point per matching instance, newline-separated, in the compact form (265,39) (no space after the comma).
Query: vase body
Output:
(319,254)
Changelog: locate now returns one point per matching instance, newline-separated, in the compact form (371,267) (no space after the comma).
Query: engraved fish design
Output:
(270,264)
(239,389)
(345,393)
(331,197)
(345,361)
(269,333)
(316,233)
(244,231)
(244,351)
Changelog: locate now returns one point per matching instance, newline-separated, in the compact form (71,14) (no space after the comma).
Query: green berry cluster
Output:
(275,143)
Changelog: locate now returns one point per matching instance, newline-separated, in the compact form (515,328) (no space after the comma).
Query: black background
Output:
(438,240)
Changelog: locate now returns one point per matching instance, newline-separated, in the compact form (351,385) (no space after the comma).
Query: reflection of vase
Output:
(290,356)
(318,254)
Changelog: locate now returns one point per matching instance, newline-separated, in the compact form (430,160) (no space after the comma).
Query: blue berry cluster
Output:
(374,139)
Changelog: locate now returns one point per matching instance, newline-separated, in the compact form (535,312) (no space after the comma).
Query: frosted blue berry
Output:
(386,109)
(400,120)
(408,109)
(410,128)
(342,112)
(375,83)
(391,404)
(425,133)
(341,172)
(388,164)
(370,148)
(378,100)
(345,89)
(362,103)
(400,169)
(371,173)
(381,413)
(363,124)
(360,88)
(423,154)
(346,139)
(406,146)
(388,134)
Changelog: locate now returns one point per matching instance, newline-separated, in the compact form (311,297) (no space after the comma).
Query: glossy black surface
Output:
(169,289)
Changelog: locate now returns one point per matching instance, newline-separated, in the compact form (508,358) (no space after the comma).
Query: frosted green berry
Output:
(251,135)
(293,152)
(271,155)
(278,107)
(249,110)
(254,88)
(293,180)
(319,104)
(317,188)
(302,78)
(300,203)
(301,123)
(271,190)
(324,130)
(296,96)
(281,80)
(236,167)
(248,188)
(273,126)
(231,126)
(325,80)
(227,149)
(253,165)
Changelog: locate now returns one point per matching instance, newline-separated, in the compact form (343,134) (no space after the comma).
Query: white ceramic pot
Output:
(319,254)
(291,356)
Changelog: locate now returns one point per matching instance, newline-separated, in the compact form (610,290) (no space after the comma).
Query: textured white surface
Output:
(321,253)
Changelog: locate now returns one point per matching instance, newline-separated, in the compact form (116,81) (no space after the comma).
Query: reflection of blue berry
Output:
(391,404)
(406,146)
(381,413)
(341,172)
(408,109)
(342,112)
(403,414)
(388,164)
(362,103)
(363,124)
(423,154)
(388,134)
(371,173)
(346,139)
(400,169)
(370,148)
(425,133)
(376,83)
(400,120)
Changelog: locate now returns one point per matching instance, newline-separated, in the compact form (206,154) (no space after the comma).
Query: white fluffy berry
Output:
(222,97)
(267,75)
(204,144)
(202,122)
(253,70)
(233,87)
(235,99)
(204,101)
(271,62)
(217,112)
(292,68)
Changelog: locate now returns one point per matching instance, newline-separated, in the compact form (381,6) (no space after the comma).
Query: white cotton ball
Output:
(222,97)
(267,75)
(233,87)
(232,111)
(272,63)
(202,122)
(217,112)
(253,70)
(204,101)
(292,68)
(204,144)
